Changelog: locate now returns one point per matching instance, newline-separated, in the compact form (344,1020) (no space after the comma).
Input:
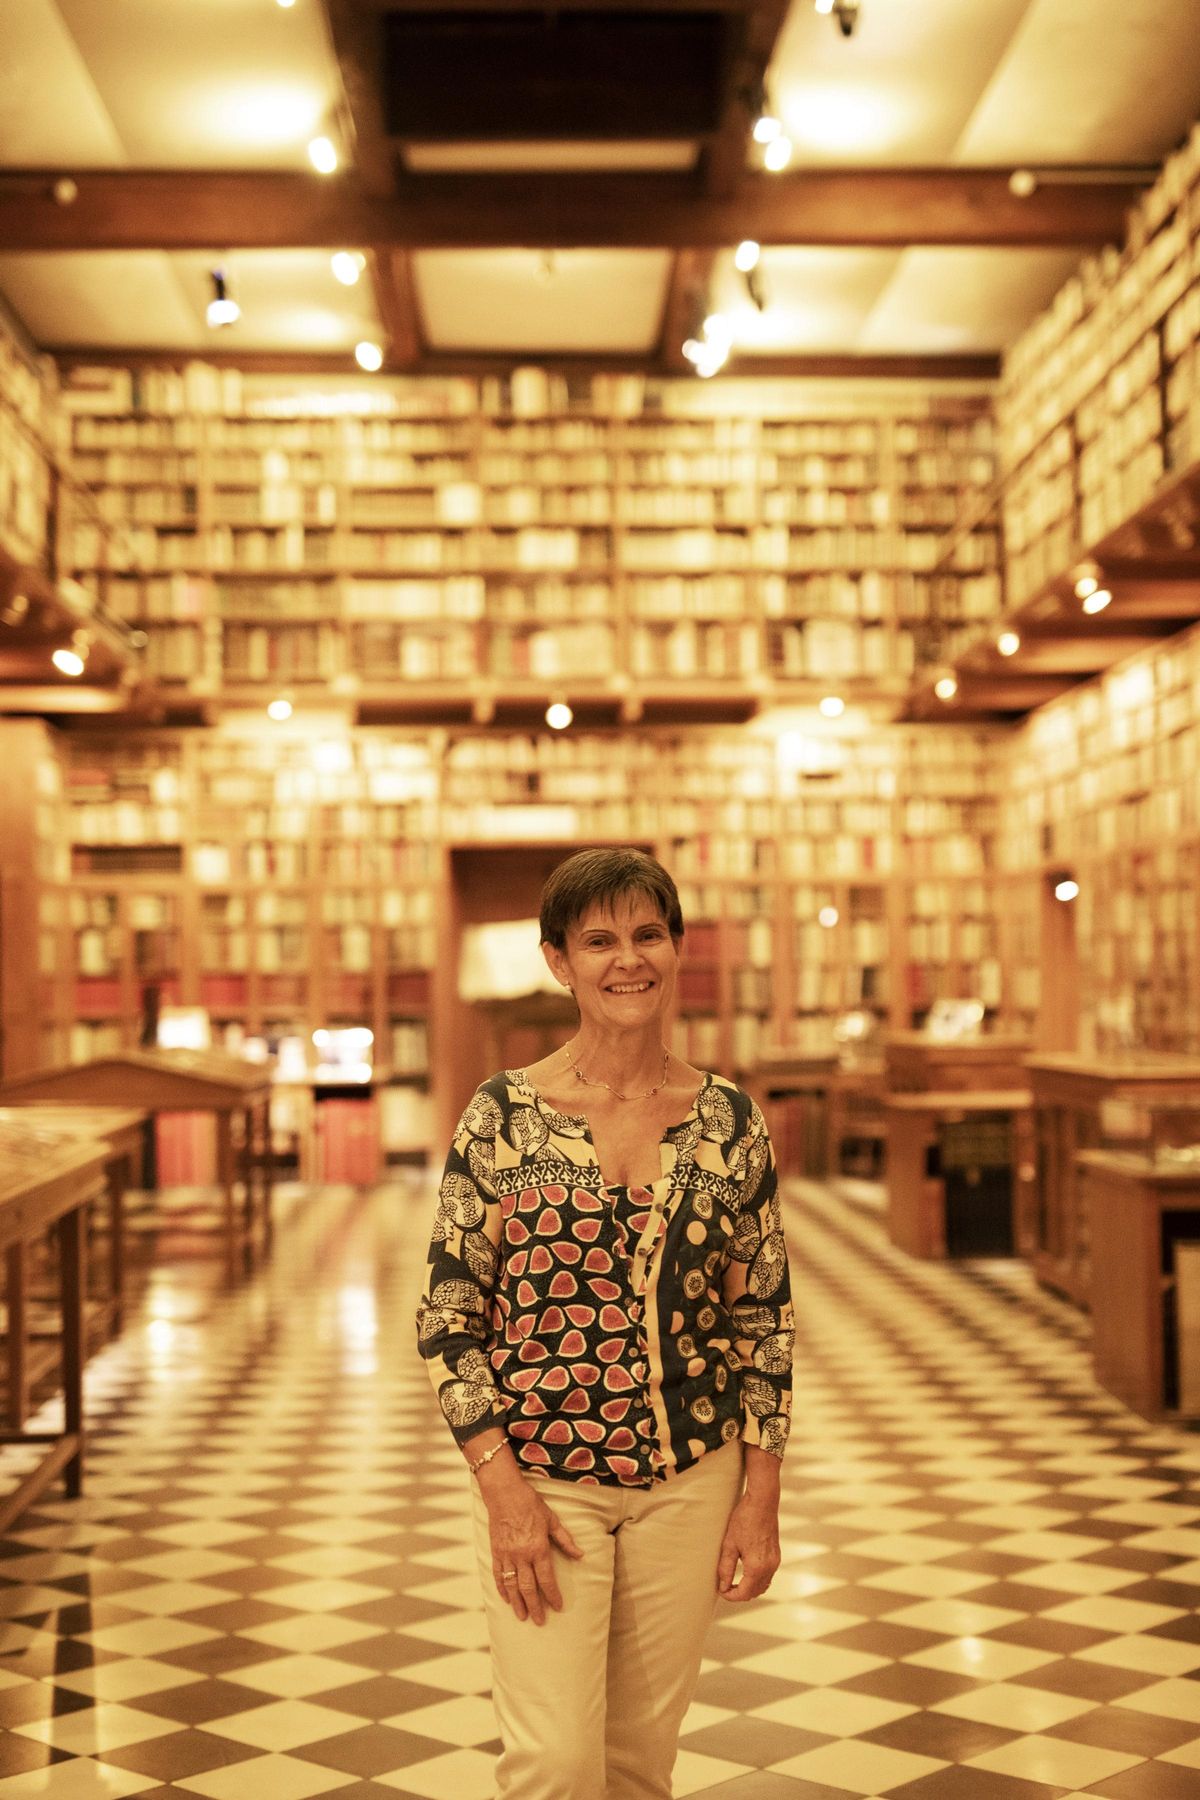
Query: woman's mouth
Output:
(630,987)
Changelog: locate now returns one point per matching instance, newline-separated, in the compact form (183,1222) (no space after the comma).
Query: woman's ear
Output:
(556,962)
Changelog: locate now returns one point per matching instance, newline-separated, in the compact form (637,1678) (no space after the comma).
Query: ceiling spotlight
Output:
(68,662)
(832,706)
(322,154)
(746,256)
(280,709)
(1023,183)
(828,917)
(946,686)
(347,266)
(778,154)
(222,309)
(368,356)
(1067,889)
(1097,600)
(1008,643)
(559,716)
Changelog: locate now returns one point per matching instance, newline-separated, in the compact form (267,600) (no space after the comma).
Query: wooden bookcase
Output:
(624,538)
(35,964)
(1099,398)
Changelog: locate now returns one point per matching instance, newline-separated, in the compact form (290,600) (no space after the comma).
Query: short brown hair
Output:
(599,878)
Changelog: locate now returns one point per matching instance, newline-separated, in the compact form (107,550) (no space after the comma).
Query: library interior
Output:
(439,438)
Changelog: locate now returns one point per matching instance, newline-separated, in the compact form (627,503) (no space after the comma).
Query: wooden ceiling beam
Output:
(687,291)
(453,362)
(399,311)
(723,163)
(117,209)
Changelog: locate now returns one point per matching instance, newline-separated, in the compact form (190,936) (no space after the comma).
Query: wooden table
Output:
(916,1191)
(40,1193)
(917,1063)
(1126,1197)
(1068,1092)
(119,1132)
(156,1081)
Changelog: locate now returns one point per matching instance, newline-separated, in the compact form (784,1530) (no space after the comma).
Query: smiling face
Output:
(622,963)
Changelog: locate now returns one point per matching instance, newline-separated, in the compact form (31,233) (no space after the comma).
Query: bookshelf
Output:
(299,533)
(35,955)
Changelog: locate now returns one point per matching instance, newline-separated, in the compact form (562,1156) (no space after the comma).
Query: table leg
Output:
(268,1172)
(17,1297)
(226,1176)
(117,1175)
(73,1278)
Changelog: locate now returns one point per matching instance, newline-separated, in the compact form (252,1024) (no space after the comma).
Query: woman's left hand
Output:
(751,1538)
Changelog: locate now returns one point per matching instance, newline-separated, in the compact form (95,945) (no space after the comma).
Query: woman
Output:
(608,1327)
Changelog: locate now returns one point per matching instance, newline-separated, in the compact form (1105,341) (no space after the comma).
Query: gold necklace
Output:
(616,1092)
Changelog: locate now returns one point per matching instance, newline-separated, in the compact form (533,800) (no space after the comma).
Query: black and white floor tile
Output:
(989,1591)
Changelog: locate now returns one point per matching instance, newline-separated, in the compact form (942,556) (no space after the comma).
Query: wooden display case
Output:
(46,1190)
(1069,1091)
(1128,1200)
(917,1063)
(918,1161)
(163,1081)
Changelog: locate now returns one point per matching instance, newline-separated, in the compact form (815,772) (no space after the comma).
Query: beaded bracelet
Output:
(487,1456)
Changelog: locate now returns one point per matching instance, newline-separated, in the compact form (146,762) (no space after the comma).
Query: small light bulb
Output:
(832,706)
(693,349)
(778,154)
(1066,890)
(746,256)
(322,154)
(347,266)
(1086,584)
(766,128)
(68,662)
(222,312)
(279,710)
(828,917)
(1097,601)
(368,356)
(1008,643)
(559,716)
(946,687)
(1022,183)
(824,6)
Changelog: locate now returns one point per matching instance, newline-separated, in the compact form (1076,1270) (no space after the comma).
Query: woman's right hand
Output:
(523,1530)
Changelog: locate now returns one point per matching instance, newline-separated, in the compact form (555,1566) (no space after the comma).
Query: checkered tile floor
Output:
(990,1569)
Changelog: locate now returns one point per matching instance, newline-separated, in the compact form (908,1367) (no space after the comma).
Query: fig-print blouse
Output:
(616,1333)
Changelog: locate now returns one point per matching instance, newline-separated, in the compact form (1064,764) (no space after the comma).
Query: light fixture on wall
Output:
(368,356)
(559,715)
(708,349)
(347,266)
(280,709)
(778,154)
(1087,579)
(322,154)
(946,687)
(832,706)
(71,659)
(1066,888)
(1097,600)
(844,11)
(1008,643)
(222,309)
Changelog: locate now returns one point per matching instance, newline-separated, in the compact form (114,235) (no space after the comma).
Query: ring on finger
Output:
(508,1574)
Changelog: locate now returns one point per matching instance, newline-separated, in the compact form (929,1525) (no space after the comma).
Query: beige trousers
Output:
(590,1703)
